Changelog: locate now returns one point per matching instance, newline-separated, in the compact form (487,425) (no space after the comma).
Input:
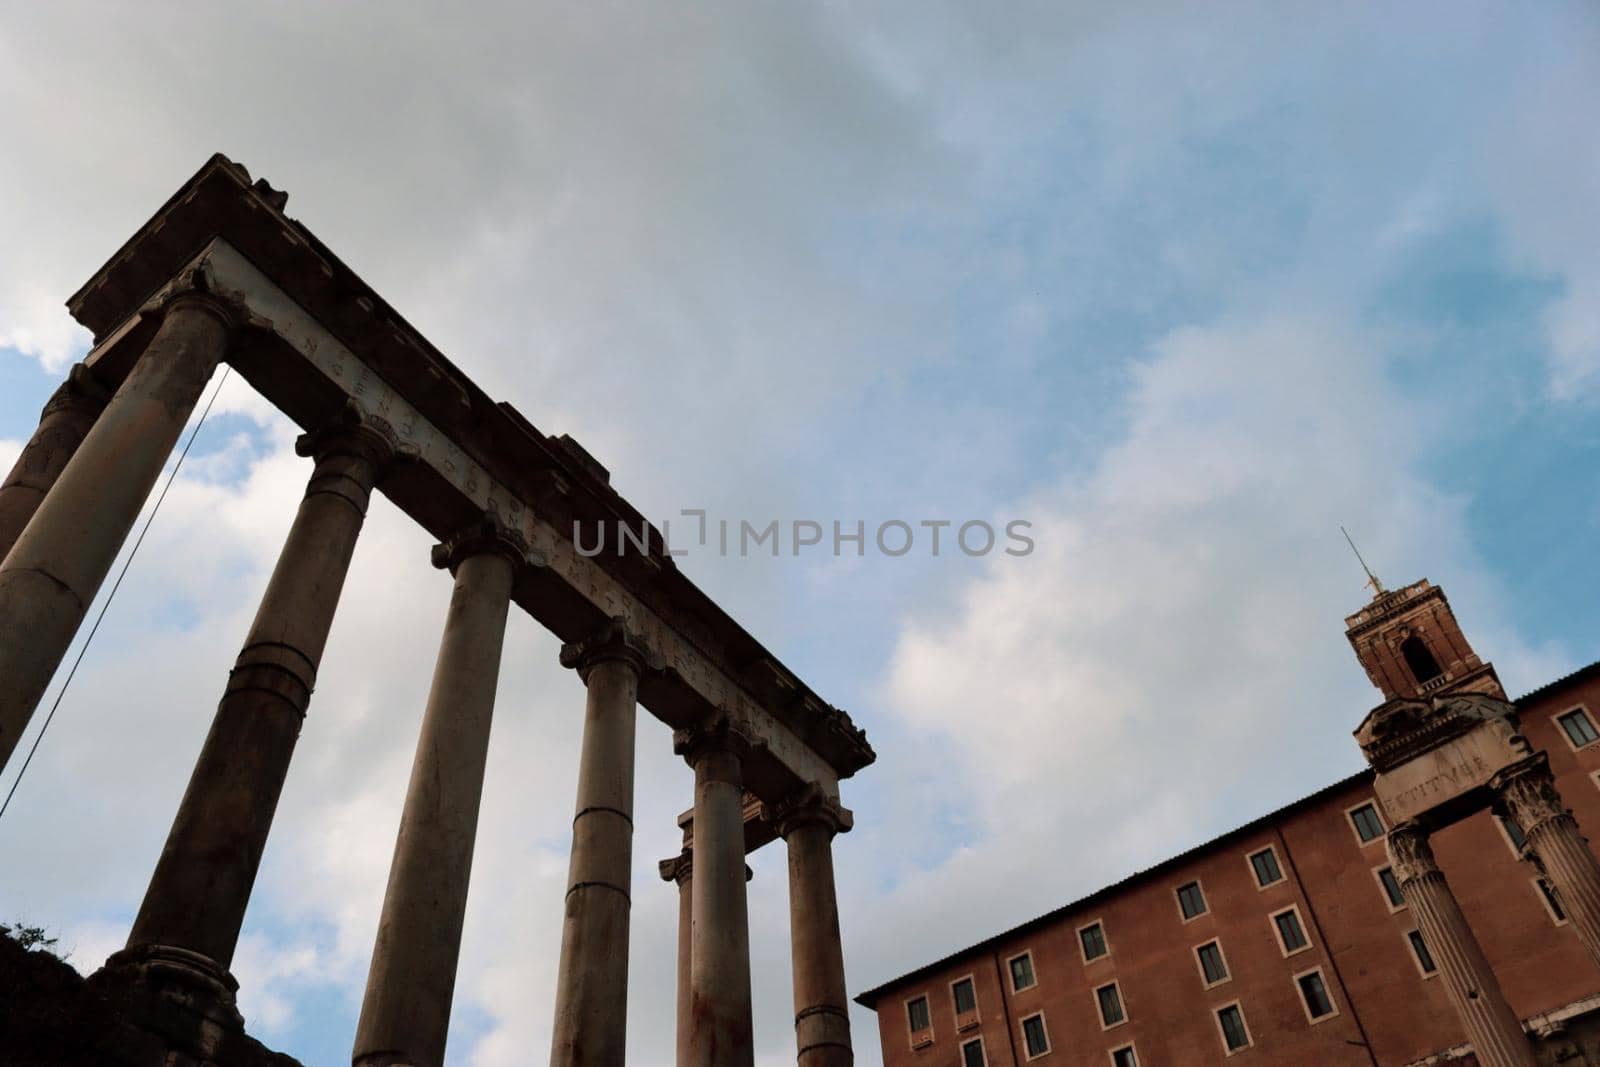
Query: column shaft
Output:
(58,562)
(720,1030)
(1496,1035)
(63,424)
(821,1001)
(685,965)
(197,897)
(1528,792)
(680,870)
(592,979)
(405,1014)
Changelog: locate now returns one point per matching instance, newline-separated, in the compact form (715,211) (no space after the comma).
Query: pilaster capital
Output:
(809,806)
(486,535)
(1410,854)
(352,432)
(679,868)
(613,641)
(81,391)
(720,735)
(1528,792)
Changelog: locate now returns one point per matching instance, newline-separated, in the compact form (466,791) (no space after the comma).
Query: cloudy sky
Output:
(1186,287)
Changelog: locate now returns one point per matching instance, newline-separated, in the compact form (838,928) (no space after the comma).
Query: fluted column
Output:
(58,562)
(63,424)
(808,824)
(1527,791)
(719,995)
(405,1014)
(592,979)
(189,921)
(680,869)
(1493,1029)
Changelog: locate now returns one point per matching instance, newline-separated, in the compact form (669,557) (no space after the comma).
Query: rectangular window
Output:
(1022,972)
(1034,1037)
(1211,963)
(1110,1001)
(1291,935)
(1234,1034)
(1369,827)
(1552,905)
(972,1054)
(966,997)
(1092,938)
(1420,949)
(1579,730)
(1124,1057)
(1513,834)
(1391,887)
(1315,995)
(1191,901)
(917,1014)
(1265,864)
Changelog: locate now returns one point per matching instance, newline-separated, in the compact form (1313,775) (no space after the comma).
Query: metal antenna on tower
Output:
(1372,579)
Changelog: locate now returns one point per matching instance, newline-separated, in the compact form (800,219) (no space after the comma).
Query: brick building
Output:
(1287,941)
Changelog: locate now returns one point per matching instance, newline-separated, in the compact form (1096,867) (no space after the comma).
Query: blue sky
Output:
(1185,288)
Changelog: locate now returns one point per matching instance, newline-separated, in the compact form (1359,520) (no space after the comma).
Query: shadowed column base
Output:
(183,997)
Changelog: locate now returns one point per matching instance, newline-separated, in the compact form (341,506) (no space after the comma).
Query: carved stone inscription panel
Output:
(1448,771)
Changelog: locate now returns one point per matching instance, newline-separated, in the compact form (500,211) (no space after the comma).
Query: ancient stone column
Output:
(63,424)
(680,869)
(808,823)
(1527,791)
(58,562)
(719,981)
(1496,1036)
(196,900)
(405,1014)
(592,979)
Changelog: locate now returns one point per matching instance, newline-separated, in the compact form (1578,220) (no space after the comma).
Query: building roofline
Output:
(870,998)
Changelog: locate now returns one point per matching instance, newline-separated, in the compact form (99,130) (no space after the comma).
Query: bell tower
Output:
(1412,647)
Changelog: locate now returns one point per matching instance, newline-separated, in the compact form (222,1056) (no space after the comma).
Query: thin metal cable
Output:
(98,619)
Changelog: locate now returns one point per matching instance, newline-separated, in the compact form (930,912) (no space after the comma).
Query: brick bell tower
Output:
(1412,647)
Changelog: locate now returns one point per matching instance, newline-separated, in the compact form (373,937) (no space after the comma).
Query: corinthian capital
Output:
(1410,854)
(1527,789)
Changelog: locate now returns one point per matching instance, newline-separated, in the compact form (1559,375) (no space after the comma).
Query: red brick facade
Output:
(1385,1011)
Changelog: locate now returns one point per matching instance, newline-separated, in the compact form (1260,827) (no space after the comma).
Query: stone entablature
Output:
(316,338)
(1434,758)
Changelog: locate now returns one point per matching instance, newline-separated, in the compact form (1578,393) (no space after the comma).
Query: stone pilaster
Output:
(59,560)
(719,998)
(196,900)
(64,423)
(1527,792)
(592,979)
(405,1014)
(808,823)
(1496,1035)
(680,869)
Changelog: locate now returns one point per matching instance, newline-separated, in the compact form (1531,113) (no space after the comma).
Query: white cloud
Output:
(1170,662)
